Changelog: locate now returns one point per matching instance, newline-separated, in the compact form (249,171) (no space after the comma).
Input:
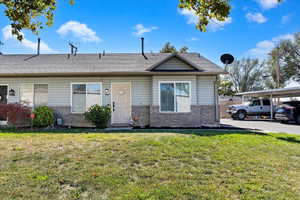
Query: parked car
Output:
(256,107)
(288,111)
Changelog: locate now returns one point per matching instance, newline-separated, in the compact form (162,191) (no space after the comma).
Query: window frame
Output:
(4,122)
(175,102)
(84,83)
(33,91)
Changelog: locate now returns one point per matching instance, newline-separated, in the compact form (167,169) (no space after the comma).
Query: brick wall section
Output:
(199,116)
(69,119)
(142,114)
(150,116)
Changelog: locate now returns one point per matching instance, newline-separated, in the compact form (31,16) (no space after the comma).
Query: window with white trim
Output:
(175,96)
(40,92)
(85,95)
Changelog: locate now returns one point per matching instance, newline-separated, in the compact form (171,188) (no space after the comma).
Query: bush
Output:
(98,115)
(17,115)
(44,117)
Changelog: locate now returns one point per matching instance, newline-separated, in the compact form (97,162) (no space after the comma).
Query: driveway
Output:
(264,126)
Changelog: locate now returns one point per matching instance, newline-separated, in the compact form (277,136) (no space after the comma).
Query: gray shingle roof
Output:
(91,63)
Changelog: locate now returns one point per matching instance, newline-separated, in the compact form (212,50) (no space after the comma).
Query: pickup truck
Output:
(256,107)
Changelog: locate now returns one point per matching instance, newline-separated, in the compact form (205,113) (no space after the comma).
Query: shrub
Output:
(98,115)
(16,114)
(44,117)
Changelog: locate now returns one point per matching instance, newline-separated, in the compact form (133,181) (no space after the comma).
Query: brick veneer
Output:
(199,116)
(70,119)
(142,114)
(150,116)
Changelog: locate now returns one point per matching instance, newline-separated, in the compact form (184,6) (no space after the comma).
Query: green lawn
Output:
(188,164)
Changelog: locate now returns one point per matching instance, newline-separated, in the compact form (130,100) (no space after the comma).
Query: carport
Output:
(273,94)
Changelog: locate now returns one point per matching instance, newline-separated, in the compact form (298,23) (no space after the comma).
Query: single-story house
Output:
(153,89)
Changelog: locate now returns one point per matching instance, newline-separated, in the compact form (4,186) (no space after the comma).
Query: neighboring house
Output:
(155,89)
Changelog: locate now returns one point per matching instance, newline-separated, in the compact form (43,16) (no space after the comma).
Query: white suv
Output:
(256,107)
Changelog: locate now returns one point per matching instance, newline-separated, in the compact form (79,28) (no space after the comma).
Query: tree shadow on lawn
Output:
(204,132)
(289,139)
(186,131)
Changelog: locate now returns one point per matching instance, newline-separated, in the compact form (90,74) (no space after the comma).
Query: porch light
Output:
(106,91)
(12,92)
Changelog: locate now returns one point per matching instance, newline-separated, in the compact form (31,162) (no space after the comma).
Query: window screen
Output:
(167,97)
(175,97)
(84,96)
(40,95)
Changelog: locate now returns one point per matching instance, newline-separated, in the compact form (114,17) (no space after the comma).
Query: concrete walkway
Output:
(264,126)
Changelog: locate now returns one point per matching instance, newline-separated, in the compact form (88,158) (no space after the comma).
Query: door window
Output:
(3,94)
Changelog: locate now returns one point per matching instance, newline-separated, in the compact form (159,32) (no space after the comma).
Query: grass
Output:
(169,164)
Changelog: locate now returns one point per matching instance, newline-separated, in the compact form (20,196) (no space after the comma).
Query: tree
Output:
(169,48)
(289,58)
(273,74)
(25,14)
(183,49)
(246,75)
(225,87)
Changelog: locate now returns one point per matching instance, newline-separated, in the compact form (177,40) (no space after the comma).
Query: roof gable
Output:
(174,62)
(109,64)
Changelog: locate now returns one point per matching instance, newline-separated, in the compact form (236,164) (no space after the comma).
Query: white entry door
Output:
(121,103)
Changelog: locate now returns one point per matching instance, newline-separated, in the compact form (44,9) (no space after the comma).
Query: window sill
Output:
(77,113)
(175,112)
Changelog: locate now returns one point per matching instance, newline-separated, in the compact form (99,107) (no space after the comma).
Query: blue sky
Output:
(253,28)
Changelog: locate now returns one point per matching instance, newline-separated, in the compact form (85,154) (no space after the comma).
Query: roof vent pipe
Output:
(143,53)
(74,49)
(38,46)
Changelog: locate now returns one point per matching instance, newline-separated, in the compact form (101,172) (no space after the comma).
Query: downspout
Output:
(216,101)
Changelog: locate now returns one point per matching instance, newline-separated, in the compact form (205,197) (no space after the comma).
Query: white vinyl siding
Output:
(174,64)
(157,79)
(59,88)
(206,90)
(144,90)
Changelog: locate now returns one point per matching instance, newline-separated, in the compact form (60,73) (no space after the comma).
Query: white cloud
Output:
(7,35)
(78,30)
(264,47)
(194,39)
(214,25)
(141,29)
(256,17)
(192,18)
(285,19)
(268,4)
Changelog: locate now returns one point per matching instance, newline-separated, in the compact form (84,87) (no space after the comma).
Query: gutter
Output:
(80,74)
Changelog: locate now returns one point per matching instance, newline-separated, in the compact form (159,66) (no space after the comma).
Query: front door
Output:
(3,98)
(121,103)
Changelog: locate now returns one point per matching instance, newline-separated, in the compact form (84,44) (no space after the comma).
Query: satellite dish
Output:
(227,59)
